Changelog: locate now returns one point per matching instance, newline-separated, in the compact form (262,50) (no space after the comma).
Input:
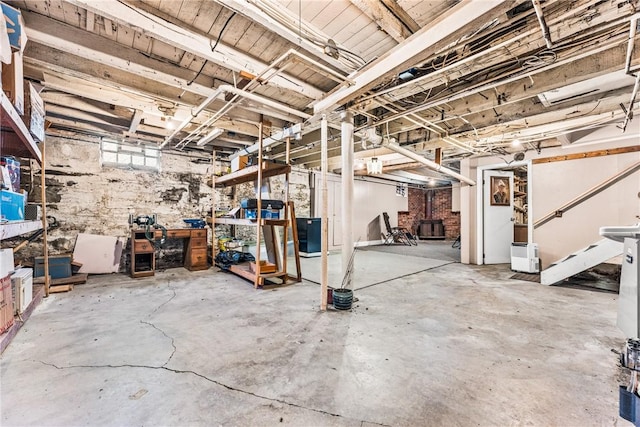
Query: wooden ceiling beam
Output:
(252,12)
(81,88)
(457,22)
(468,103)
(379,14)
(39,58)
(92,47)
(526,42)
(91,21)
(135,121)
(402,15)
(129,15)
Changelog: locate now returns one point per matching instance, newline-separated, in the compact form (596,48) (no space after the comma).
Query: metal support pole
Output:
(324,246)
(347,193)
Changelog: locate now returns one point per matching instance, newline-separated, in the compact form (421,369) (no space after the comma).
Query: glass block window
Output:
(126,156)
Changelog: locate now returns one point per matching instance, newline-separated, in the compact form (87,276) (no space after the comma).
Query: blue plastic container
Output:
(266,214)
(195,222)
(11,206)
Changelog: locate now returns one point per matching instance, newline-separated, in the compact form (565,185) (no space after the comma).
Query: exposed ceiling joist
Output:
(377,11)
(135,121)
(63,63)
(91,21)
(402,15)
(456,23)
(174,35)
(81,88)
(251,11)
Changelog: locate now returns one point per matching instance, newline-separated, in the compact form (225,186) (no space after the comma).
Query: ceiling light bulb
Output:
(168,123)
(516,143)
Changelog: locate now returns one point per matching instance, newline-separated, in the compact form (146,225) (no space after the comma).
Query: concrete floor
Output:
(452,345)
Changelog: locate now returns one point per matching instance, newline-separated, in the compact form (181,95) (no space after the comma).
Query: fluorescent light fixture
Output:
(374,166)
(215,132)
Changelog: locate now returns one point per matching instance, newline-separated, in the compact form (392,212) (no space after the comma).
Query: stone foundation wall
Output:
(86,197)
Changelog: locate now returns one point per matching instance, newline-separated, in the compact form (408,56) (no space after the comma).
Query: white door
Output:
(497,216)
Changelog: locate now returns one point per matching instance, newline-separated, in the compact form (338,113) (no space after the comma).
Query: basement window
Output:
(125,156)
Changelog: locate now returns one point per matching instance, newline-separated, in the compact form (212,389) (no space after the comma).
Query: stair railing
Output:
(586,195)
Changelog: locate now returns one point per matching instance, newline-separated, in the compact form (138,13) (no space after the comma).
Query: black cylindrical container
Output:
(342,299)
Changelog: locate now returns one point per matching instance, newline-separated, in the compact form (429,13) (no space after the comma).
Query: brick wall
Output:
(411,218)
(440,209)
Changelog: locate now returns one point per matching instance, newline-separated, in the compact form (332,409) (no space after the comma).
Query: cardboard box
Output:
(33,111)
(12,82)
(59,266)
(6,304)
(13,169)
(11,206)
(239,162)
(15,27)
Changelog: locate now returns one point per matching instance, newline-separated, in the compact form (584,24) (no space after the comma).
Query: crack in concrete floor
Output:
(211,380)
(167,301)
(160,330)
(197,374)
(405,275)
(165,334)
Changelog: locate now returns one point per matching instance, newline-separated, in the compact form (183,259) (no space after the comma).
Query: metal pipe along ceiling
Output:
(428,163)
(264,101)
(328,72)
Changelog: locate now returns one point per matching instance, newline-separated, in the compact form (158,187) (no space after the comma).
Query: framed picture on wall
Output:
(500,191)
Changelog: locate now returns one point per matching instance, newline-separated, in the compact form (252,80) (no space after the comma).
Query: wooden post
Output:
(214,203)
(256,280)
(438,156)
(286,210)
(45,223)
(296,249)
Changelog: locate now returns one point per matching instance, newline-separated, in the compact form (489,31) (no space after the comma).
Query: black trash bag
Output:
(226,259)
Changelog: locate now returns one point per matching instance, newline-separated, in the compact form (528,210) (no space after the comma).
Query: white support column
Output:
(347,192)
(324,246)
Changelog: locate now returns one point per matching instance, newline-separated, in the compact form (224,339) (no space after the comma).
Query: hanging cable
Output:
(213,48)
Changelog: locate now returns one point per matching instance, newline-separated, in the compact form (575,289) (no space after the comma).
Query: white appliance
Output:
(524,257)
(22,289)
(6,262)
(629,296)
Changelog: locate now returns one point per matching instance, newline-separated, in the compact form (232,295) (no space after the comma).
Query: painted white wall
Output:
(371,197)
(553,184)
